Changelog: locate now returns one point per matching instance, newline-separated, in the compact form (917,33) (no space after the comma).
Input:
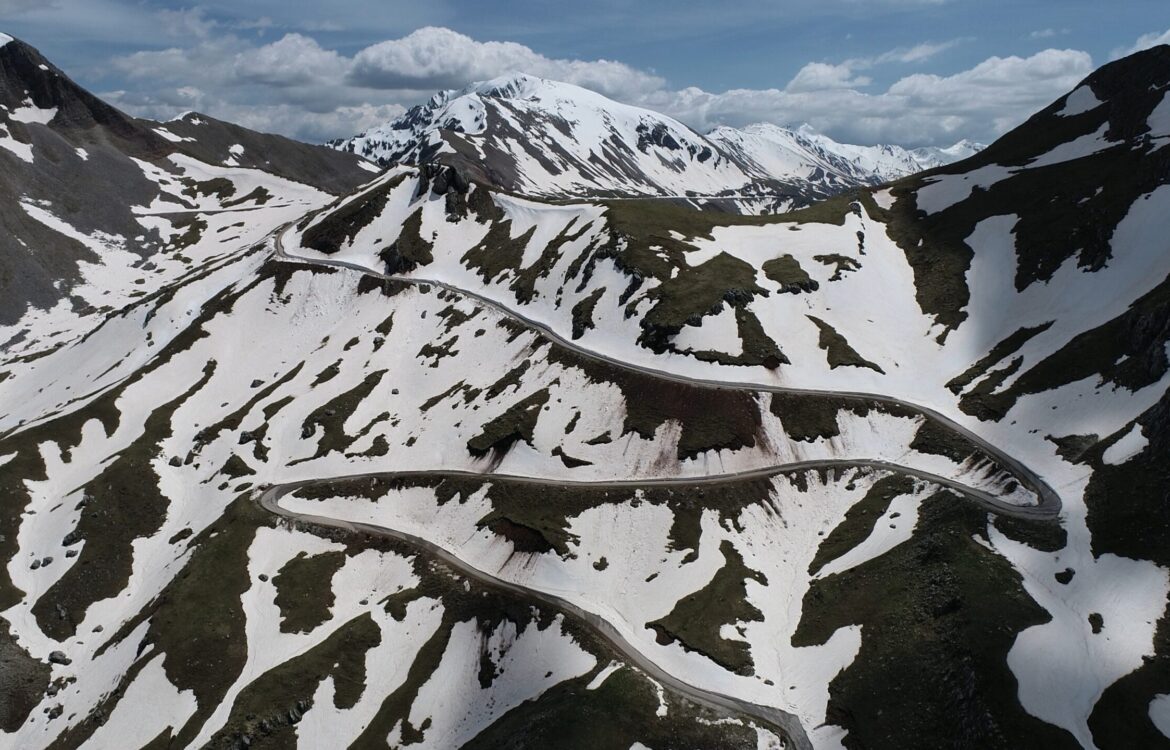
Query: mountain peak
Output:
(1123,99)
(190,116)
(1142,69)
(1132,87)
(514,85)
(23,67)
(530,135)
(28,80)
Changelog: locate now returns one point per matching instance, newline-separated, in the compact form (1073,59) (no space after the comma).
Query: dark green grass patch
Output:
(695,292)
(697,619)
(516,424)
(304,590)
(938,615)
(860,520)
(121,504)
(837,349)
(343,224)
(410,250)
(786,271)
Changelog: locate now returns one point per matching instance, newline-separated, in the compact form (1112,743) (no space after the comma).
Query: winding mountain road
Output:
(774,719)
(1047,508)
(1049,504)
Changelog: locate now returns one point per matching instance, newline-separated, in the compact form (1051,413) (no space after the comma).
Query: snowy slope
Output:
(549,139)
(799,461)
(102,209)
(1021,293)
(777,151)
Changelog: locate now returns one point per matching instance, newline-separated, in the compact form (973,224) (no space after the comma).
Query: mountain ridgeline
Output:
(71,155)
(546,139)
(498,443)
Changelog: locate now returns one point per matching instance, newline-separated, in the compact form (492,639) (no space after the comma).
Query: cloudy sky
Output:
(913,72)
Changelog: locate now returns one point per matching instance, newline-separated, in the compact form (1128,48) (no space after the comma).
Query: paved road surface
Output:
(1048,507)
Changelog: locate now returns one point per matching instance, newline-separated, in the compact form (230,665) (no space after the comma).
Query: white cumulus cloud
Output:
(295,86)
(980,103)
(438,58)
(1145,41)
(822,76)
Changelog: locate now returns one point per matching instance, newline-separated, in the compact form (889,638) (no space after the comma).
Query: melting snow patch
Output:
(370,167)
(4,39)
(22,150)
(33,114)
(1129,595)
(603,675)
(1159,119)
(99,242)
(884,199)
(1087,144)
(1160,713)
(171,136)
(661,699)
(1080,101)
(894,527)
(1133,443)
(529,661)
(719,333)
(128,725)
(83,154)
(951,189)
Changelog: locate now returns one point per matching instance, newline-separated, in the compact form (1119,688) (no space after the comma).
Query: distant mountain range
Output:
(548,139)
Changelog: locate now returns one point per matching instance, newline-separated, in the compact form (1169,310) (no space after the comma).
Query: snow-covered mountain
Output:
(415,461)
(548,139)
(774,150)
(100,208)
